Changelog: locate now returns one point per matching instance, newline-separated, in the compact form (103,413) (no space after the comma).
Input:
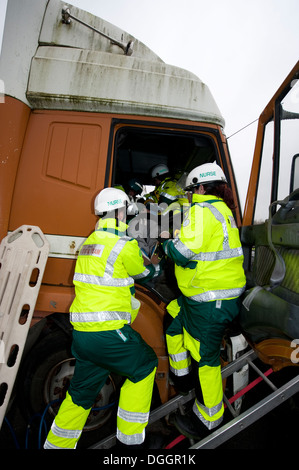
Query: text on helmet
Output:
(208,173)
(116,201)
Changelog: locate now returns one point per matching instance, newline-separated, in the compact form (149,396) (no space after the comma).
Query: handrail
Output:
(66,19)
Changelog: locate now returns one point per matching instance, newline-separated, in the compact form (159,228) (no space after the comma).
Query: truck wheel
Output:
(45,376)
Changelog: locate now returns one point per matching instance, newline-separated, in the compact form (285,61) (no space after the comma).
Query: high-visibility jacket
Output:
(208,253)
(168,191)
(208,266)
(107,265)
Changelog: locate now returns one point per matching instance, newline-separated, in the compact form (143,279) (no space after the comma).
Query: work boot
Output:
(154,440)
(120,446)
(183,385)
(190,426)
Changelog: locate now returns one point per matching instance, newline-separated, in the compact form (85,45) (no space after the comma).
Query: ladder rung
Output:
(238,363)
(260,373)
(155,415)
(229,406)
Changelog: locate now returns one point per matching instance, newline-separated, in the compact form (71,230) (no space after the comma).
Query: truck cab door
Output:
(270,231)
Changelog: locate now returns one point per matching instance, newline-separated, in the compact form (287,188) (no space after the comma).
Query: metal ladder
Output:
(238,422)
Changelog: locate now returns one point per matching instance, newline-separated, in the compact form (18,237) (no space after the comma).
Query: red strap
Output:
(176,441)
(242,392)
(249,387)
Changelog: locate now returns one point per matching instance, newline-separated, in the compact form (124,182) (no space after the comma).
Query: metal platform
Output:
(239,422)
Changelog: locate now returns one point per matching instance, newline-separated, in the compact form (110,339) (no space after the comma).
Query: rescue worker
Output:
(208,261)
(167,189)
(135,189)
(103,340)
(164,205)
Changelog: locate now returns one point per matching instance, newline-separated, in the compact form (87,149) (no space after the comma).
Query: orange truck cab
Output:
(270,237)
(85,106)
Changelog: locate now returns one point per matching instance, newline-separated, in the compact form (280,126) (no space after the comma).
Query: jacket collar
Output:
(204,198)
(112,225)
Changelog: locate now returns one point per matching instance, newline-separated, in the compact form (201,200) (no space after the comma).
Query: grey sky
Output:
(242,50)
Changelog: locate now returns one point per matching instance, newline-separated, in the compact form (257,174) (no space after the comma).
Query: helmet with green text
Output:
(159,171)
(203,174)
(135,184)
(110,199)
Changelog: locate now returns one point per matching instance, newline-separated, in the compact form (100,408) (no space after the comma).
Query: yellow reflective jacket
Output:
(208,252)
(168,192)
(107,265)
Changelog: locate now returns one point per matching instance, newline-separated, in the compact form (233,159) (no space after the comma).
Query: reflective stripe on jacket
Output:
(208,252)
(168,191)
(107,265)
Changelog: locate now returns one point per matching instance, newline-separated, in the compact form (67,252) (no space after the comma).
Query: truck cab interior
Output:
(139,149)
(270,311)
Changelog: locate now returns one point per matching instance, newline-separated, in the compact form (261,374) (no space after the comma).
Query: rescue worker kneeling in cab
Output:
(167,190)
(208,261)
(103,340)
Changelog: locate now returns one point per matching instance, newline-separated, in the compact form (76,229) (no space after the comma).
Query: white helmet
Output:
(159,170)
(206,173)
(110,199)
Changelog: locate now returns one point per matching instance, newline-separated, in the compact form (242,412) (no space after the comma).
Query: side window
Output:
(294,184)
(265,176)
(283,158)
(289,142)
(137,151)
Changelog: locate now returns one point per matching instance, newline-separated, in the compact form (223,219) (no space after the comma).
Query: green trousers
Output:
(197,331)
(97,354)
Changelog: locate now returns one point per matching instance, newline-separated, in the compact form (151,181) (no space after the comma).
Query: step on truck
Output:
(85,105)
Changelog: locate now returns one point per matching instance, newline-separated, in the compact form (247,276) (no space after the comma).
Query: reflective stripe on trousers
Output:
(67,426)
(133,410)
(179,357)
(132,416)
(211,411)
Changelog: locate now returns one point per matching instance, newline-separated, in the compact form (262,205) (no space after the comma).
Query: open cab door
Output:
(270,232)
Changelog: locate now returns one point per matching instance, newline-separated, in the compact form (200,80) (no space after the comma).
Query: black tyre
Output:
(44,379)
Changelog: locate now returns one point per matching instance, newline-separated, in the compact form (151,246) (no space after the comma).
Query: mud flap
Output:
(23,257)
